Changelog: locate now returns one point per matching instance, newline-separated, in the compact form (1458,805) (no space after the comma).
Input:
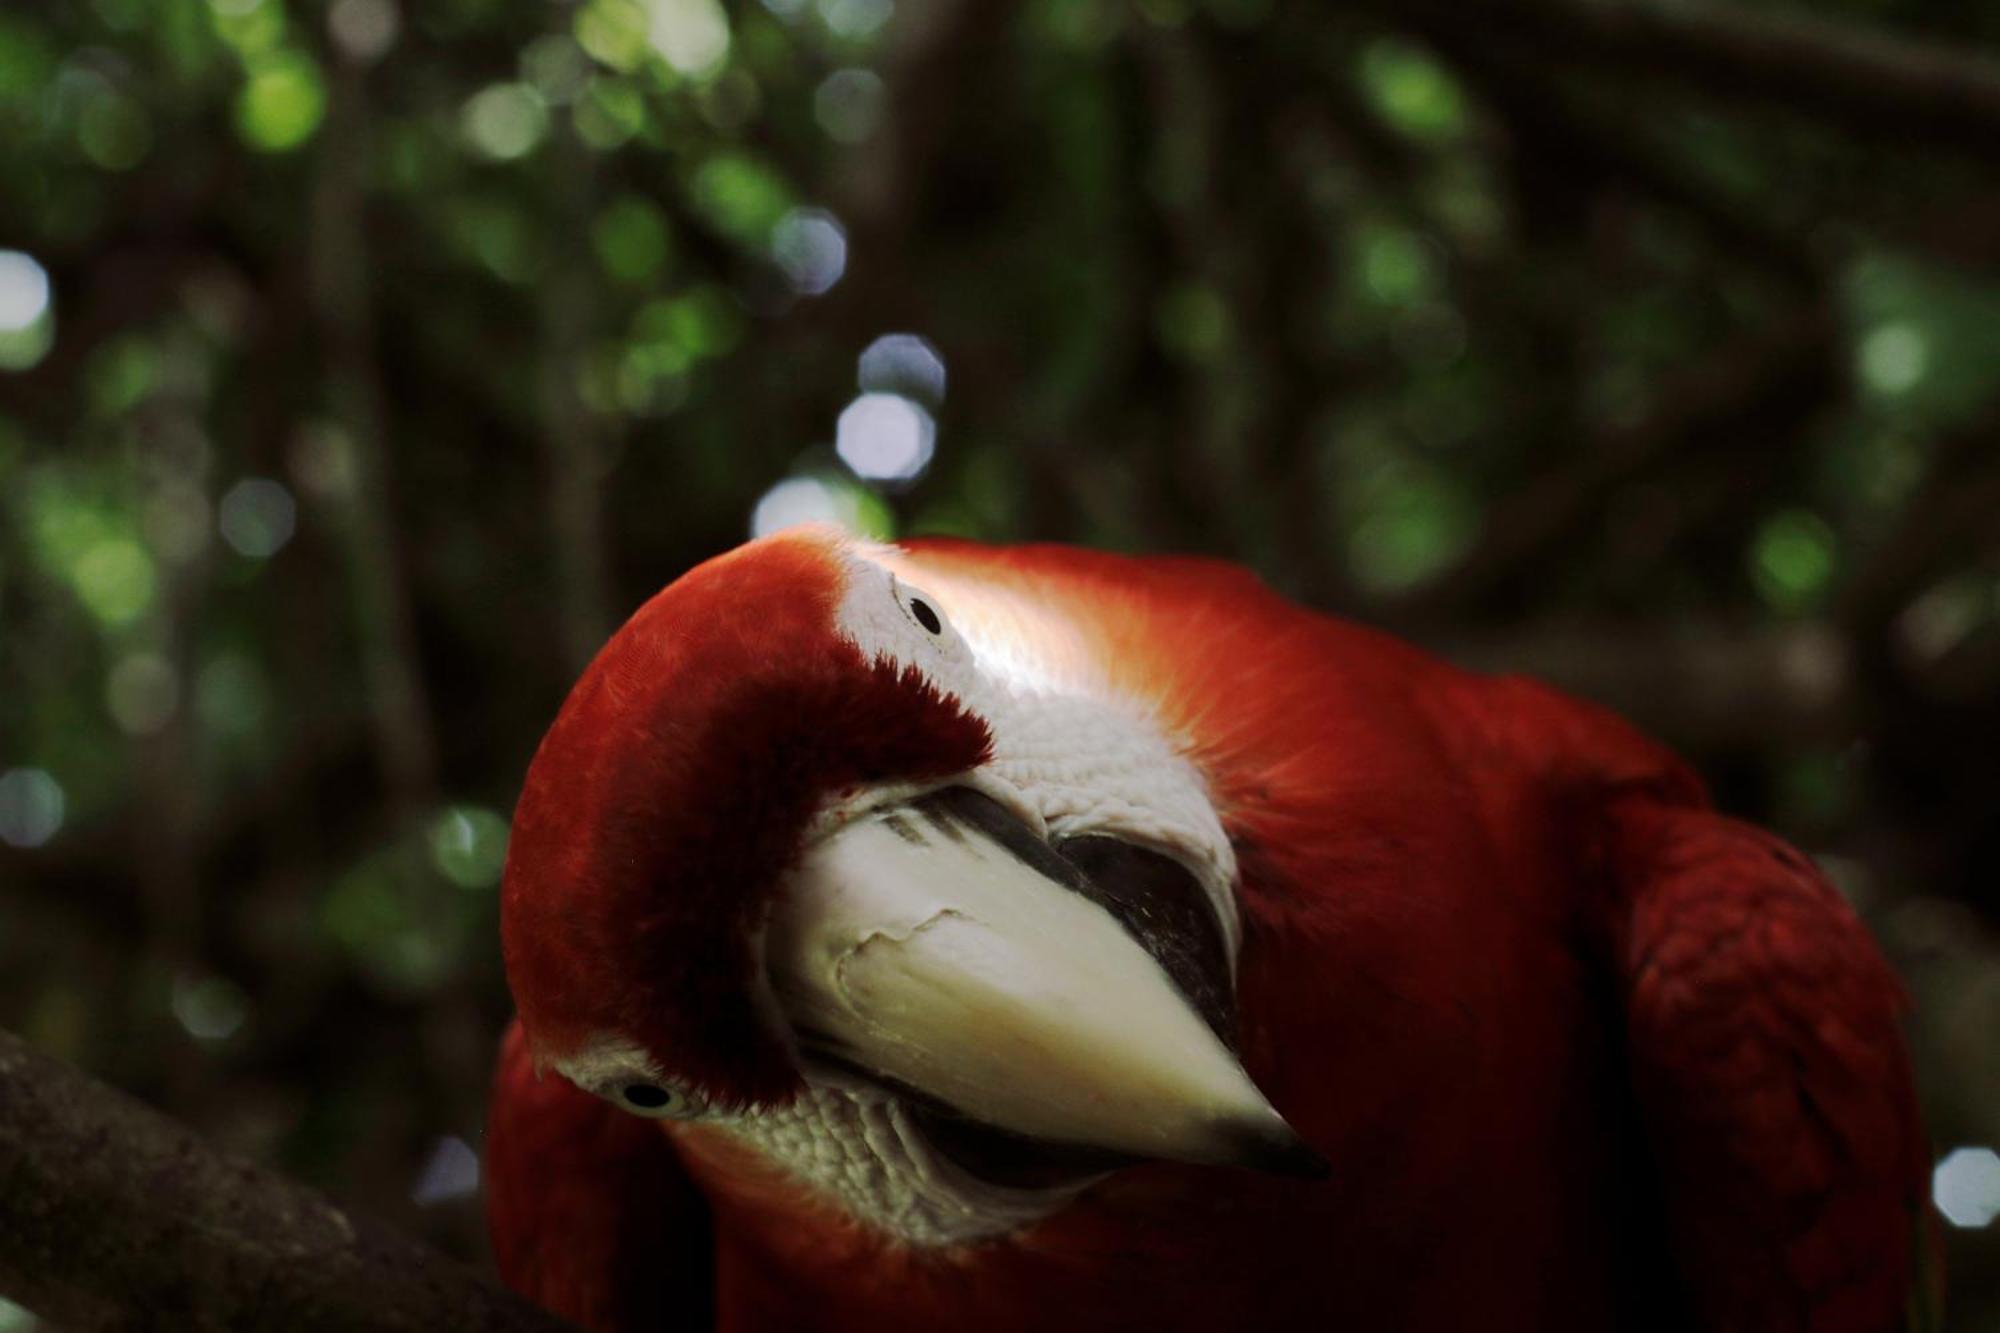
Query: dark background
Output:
(390,353)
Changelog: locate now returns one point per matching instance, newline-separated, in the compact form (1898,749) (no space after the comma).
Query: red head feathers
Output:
(674,790)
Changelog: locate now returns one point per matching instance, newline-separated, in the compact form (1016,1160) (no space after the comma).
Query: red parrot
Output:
(975,938)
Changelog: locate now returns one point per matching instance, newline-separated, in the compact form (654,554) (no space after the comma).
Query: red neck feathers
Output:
(672,793)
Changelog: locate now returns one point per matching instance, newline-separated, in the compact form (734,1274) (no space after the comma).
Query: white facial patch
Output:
(621,1072)
(855,1144)
(1069,752)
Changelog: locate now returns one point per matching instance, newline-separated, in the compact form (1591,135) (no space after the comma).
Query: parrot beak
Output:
(943,949)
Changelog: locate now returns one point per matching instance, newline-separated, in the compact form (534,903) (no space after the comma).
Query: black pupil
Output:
(646,1095)
(925,616)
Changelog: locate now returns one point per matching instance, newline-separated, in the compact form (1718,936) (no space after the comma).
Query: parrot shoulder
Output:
(1763,1035)
(1772,1076)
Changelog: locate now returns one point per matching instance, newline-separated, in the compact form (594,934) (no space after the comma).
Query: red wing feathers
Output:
(591,1214)
(1772,1076)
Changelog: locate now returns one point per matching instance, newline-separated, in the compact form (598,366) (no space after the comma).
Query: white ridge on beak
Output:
(923,951)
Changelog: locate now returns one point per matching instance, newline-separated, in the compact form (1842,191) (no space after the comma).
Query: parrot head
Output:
(854,867)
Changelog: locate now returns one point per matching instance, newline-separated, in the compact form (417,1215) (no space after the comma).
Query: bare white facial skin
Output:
(1071,755)
(621,1072)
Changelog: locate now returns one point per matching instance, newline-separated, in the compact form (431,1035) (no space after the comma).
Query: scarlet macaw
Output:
(973,938)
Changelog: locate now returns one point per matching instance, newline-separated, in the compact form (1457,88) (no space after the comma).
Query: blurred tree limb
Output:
(1705,682)
(1947,524)
(1871,82)
(1744,392)
(116,1217)
(339,263)
(1609,143)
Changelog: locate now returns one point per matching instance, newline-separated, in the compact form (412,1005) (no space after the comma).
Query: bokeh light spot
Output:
(323,462)
(364,29)
(810,245)
(1935,624)
(1411,90)
(609,112)
(613,32)
(282,104)
(1395,265)
(469,846)
(450,1173)
(256,517)
(848,105)
(690,35)
(398,930)
(556,67)
(885,437)
(31,807)
(792,502)
(742,196)
(1894,358)
(114,577)
(798,500)
(24,291)
(1792,559)
(856,20)
(1420,524)
(505,121)
(142,693)
(903,363)
(27,311)
(1966,1187)
(251,27)
(209,1008)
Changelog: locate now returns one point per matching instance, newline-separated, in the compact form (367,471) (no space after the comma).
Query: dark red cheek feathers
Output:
(674,789)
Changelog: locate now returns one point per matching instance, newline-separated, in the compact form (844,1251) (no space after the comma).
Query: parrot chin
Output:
(1050,1012)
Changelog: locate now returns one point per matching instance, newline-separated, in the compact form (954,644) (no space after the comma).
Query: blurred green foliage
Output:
(362,362)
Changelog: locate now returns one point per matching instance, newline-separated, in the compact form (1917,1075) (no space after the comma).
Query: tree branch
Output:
(341,273)
(1869,81)
(1703,685)
(113,1216)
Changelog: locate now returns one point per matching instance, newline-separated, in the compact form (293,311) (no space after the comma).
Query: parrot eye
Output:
(646,1098)
(621,1072)
(919,608)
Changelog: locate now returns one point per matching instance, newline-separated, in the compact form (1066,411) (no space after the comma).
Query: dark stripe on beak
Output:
(1156,898)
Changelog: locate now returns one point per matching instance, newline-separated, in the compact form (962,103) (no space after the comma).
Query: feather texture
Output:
(1583,1053)
(591,1213)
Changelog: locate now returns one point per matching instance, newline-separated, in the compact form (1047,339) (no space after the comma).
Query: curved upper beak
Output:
(925,950)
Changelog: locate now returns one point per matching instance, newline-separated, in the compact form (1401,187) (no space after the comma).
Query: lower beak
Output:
(919,947)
